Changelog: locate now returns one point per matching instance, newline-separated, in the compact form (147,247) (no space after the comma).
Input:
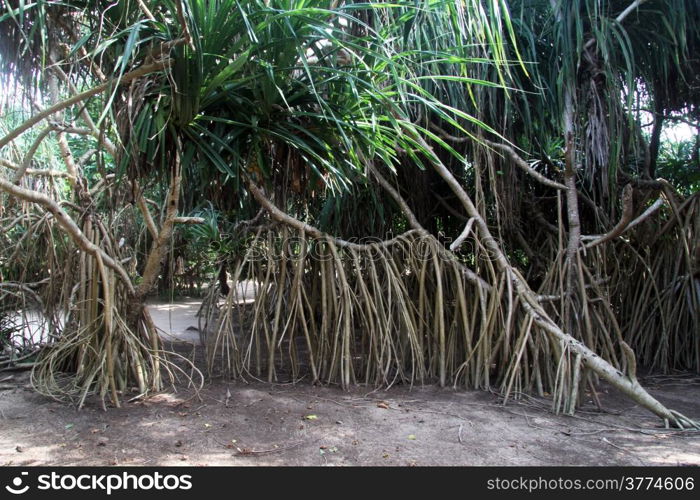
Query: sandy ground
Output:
(237,423)
(178,322)
(233,423)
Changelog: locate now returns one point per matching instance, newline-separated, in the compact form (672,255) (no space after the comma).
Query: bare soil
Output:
(238,423)
(233,423)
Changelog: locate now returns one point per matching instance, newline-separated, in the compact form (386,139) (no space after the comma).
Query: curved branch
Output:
(408,213)
(92,128)
(523,165)
(530,304)
(413,222)
(68,225)
(137,73)
(39,172)
(625,218)
(514,156)
(287,219)
(19,173)
(621,17)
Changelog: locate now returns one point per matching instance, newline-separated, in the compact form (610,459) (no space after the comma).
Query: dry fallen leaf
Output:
(383,404)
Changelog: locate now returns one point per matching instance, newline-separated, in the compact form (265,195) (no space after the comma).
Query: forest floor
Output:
(237,423)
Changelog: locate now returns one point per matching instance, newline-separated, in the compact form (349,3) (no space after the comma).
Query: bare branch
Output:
(514,156)
(137,73)
(463,236)
(190,220)
(447,206)
(37,172)
(284,218)
(145,10)
(408,213)
(530,304)
(621,17)
(96,188)
(518,160)
(143,207)
(19,173)
(625,218)
(86,156)
(63,146)
(68,225)
(92,128)
(413,222)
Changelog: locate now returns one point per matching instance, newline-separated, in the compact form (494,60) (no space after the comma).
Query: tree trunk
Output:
(223,279)
(655,139)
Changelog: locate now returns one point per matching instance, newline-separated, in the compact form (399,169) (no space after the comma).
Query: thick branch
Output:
(284,218)
(19,173)
(413,222)
(68,225)
(523,165)
(623,224)
(514,156)
(160,243)
(190,220)
(629,387)
(143,207)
